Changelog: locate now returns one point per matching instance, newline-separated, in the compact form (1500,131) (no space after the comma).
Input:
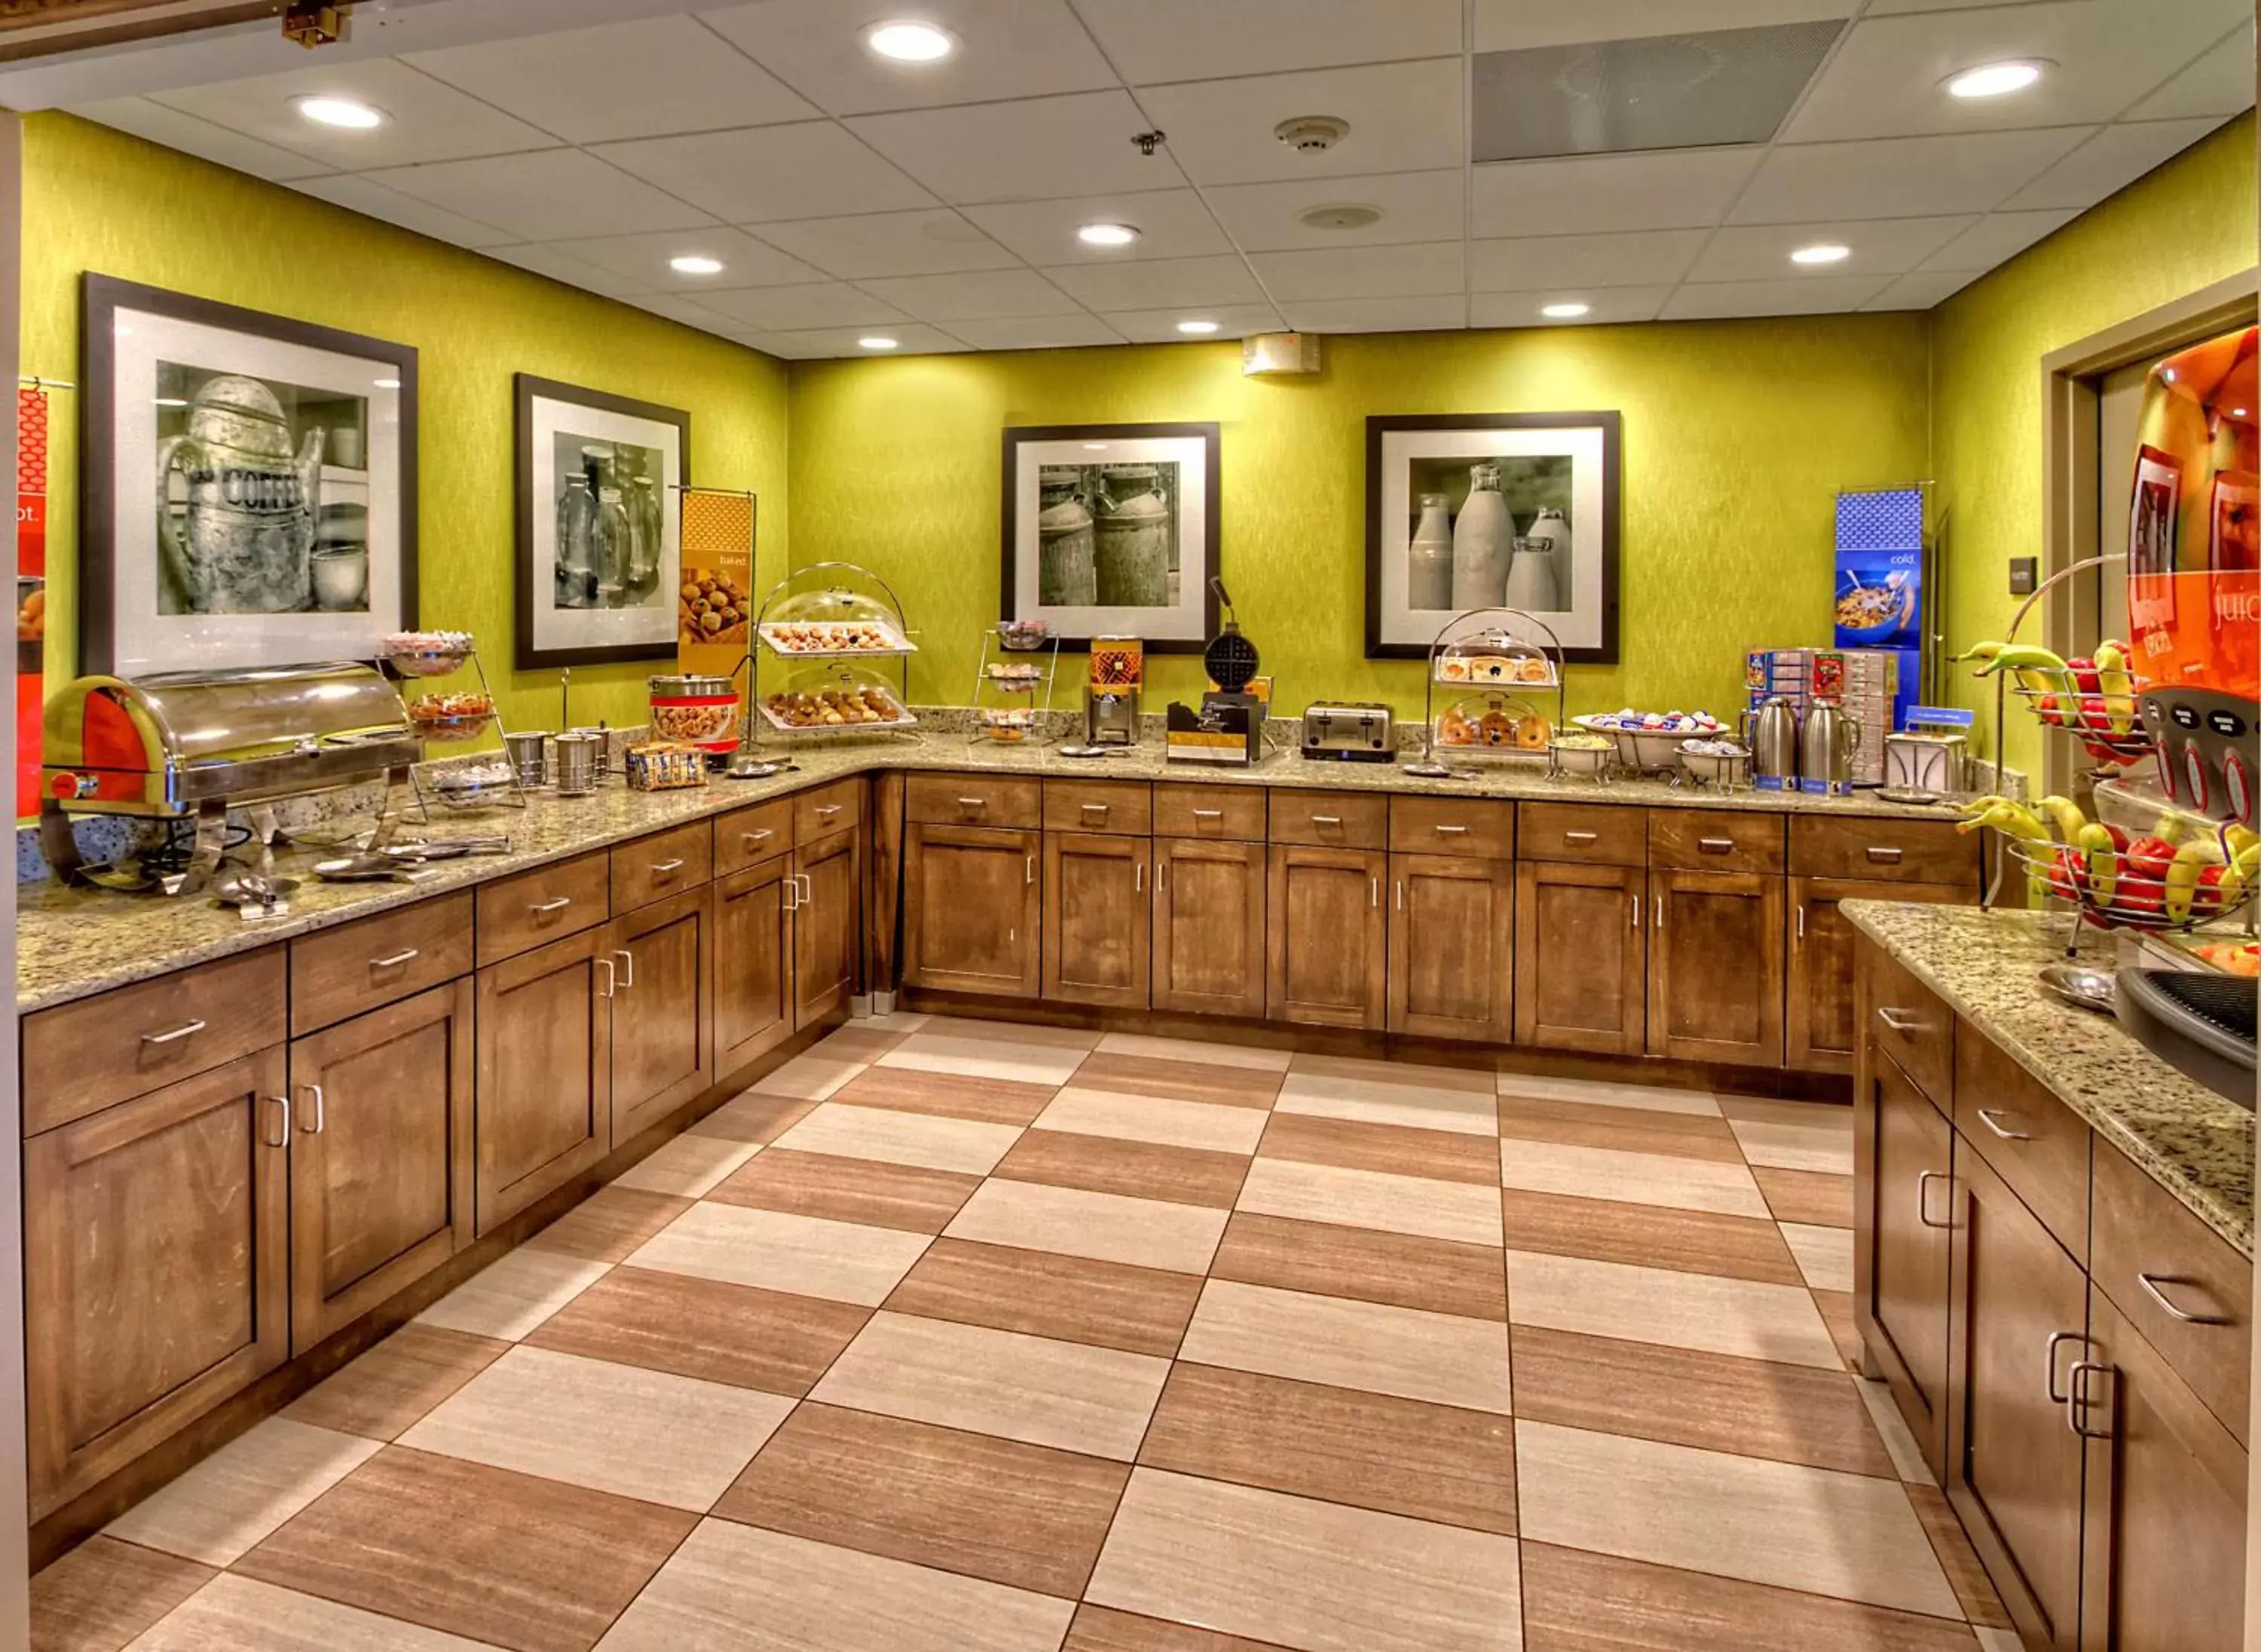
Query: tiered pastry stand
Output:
(1478,633)
(831,593)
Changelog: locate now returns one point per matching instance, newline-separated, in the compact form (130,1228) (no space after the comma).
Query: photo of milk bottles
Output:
(1489,532)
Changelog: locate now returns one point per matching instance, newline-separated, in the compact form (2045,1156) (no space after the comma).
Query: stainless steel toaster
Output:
(1350,732)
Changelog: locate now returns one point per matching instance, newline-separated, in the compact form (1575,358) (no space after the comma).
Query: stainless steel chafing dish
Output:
(188,745)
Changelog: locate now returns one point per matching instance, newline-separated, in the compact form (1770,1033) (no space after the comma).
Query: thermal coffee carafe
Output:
(1825,747)
(1771,733)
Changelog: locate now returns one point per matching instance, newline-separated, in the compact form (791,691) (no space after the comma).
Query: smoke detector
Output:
(1340,215)
(1312,134)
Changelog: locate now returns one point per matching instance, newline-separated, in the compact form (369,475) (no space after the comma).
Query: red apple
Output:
(2068,875)
(2093,717)
(2149,857)
(2085,676)
(2139,898)
(2050,710)
(2206,897)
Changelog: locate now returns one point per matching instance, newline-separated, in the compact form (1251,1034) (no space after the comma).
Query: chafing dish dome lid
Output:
(193,718)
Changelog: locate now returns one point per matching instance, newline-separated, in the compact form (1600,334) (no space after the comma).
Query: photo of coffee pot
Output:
(242,541)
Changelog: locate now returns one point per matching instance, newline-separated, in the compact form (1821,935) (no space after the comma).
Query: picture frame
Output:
(1112,530)
(1557,473)
(597,579)
(248,488)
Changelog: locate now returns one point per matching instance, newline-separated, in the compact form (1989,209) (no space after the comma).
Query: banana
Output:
(2240,841)
(2103,861)
(2065,815)
(1978,653)
(2014,819)
(2183,874)
(2024,657)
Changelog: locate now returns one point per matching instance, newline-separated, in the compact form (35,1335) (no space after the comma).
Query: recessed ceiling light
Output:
(1827,253)
(1996,80)
(1197,327)
(340,111)
(908,42)
(1107,234)
(876,343)
(695,264)
(1564,311)
(385,383)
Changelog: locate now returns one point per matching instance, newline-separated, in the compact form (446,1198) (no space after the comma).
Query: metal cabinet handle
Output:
(315,1129)
(606,963)
(1326,820)
(1400,894)
(2150,1282)
(1451,831)
(1162,876)
(1374,891)
(1801,923)
(1139,877)
(558,905)
(1900,1021)
(762,835)
(1095,808)
(1582,837)
(792,893)
(1884,855)
(2079,1402)
(406,954)
(281,1139)
(1923,1182)
(827,809)
(186,1029)
(962,802)
(627,967)
(807,889)
(1209,813)
(2056,1339)
(1636,912)
(1656,915)
(1991,1116)
(1032,869)
(1716,846)
(666,868)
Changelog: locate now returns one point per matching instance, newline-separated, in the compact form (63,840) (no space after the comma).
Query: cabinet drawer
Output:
(2179,1283)
(1452,826)
(81,1057)
(546,904)
(827,809)
(380,961)
(1715,840)
(2034,1141)
(973,799)
(1235,812)
(665,863)
(1123,808)
(1590,834)
(1330,820)
(1909,1024)
(1896,850)
(748,837)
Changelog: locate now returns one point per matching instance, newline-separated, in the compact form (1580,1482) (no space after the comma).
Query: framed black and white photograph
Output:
(1486,511)
(1111,530)
(248,489)
(599,525)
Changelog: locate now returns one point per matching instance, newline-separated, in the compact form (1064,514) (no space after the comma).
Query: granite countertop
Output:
(71,942)
(2194,1143)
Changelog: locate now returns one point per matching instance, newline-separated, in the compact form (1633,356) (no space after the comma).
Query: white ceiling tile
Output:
(1363,272)
(1403,117)
(1414,206)
(574,272)
(1666,190)
(1899,177)
(373,200)
(1633,260)
(2109,162)
(1377,315)
(975,295)
(1814,295)
(1038,149)
(1995,239)
(814,169)
(548,196)
(927,243)
(426,120)
(1153,40)
(911,339)
(146,118)
(1006,48)
(1887,79)
(689,312)
(1921,289)
(1880,248)
(1157,282)
(2221,82)
(829,304)
(1035,333)
(628,80)
(1171,224)
(645,260)
(1160,326)
(1513,24)
(1604,306)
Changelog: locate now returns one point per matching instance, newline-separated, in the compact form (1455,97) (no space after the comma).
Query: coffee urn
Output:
(1771,733)
(1825,748)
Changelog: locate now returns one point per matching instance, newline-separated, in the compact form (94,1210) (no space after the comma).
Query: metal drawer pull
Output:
(315,1129)
(606,963)
(827,809)
(1923,1182)
(2080,1402)
(628,966)
(964,802)
(1716,846)
(2057,1338)
(283,1139)
(760,836)
(1095,808)
(406,954)
(1032,869)
(1582,837)
(558,905)
(1326,820)
(1901,1021)
(186,1029)
(1883,855)
(1451,831)
(2150,1282)
(665,868)
(1991,1117)
(1209,813)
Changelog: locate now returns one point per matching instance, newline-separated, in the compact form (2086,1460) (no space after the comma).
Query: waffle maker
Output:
(1227,728)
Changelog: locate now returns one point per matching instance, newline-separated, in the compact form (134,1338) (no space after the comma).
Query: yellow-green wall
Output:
(1736,436)
(2181,228)
(95,199)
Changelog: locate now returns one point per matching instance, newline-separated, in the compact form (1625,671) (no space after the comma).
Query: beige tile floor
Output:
(952,1337)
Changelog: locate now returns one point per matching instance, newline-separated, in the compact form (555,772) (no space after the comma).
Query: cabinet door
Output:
(753,962)
(970,910)
(826,926)
(1581,956)
(1208,927)
(1715,967)
(1097,927)
(663,1009)
(1452,927)
(2164,1532)
(1820,1027)
(2019,1309)
(381,1163)
(544,1106)
(1903,1153)
(157,1268)
(1329,942)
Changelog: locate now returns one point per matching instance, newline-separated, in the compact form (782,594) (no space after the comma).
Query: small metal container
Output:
(529,755)
(581,761)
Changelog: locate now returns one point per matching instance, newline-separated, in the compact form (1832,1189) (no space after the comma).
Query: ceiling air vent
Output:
(1341,215)
(1671,91)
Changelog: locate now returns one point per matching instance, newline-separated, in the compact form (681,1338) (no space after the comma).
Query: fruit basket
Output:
(2091,697)
(427,653)
(1650,742)
(2138,864)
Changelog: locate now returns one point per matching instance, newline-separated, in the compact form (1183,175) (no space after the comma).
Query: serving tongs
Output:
(449,848)
(408,862)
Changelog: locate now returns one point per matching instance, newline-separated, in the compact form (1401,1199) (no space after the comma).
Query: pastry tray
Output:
(903,720)
(897,642)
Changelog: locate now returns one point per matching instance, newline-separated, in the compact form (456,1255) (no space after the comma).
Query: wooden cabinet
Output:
(1715,964)
(1820,1031)
(544,1102)
(1581,954)
(1452,930)
(1208,934)
(533,909)
(754,997)
(345,972)
(827,924)
(662,1009)
(156,1266)
(1905,1206)
(972,909)
(380,1156)
(1097,922)
(1328,944)
(661,865)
